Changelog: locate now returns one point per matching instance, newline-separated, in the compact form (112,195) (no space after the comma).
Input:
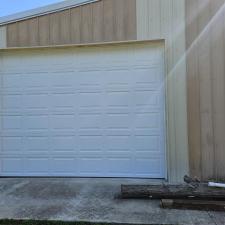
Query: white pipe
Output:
(219,185)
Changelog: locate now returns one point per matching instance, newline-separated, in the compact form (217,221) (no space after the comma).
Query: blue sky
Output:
(8,7)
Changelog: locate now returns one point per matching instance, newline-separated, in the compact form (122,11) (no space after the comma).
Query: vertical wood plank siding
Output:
(3,40)
(12,35)
(106,20)
(33,32)
(165,19)
(206,87)
(43,31)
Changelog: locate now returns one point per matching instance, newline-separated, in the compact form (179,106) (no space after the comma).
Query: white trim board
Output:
(43,10)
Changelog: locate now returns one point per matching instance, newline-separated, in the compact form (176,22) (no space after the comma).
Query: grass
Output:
(35,222)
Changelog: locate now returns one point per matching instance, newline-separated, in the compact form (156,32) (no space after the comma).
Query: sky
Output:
(8,7)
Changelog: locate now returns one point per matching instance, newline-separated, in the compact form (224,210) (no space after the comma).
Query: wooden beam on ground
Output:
(171,192)
(193,204)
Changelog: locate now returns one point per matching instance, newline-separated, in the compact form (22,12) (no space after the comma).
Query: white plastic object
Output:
(213,184)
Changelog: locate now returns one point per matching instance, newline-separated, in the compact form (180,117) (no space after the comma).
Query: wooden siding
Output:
(2,37)
(206,87)
(165,19)
(103,21)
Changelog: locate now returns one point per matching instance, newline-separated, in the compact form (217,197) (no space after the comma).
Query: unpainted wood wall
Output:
(165,19)
(205,43)
(3,37)
(103,21)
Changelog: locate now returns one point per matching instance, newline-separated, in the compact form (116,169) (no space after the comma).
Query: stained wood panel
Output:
(218,89)
(102,21)
(165,19)
(98,22)
(130,19)
(3,37)
(194,129)
(205,91)
(23,34)
(120,20)
(108,11)
(43,31)
(12,35)
(55,29)
(86,24)
(75,29)
(33,32)
(65,27)
(206,87)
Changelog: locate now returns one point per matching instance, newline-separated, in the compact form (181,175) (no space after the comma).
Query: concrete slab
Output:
(73,199)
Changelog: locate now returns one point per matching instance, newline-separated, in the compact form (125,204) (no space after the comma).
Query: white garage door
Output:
(87,112)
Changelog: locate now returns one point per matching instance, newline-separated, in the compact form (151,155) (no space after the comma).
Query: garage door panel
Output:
(147,142)
(147,98)
(118,121)
(120,166)
(90,142)
(36,101)
(149,76)
(62,122)
(117,110)
(62,100)
(63,166)
(102,113)
(11,122)
(117,143)
(36,143)
(11,143)
(144,164)
(36,122)
(11,80)
(89,99)
(12,166)
(91,166)
(91,154)
(11,102)
(34,80)
(118,99)
(147,120)
(62,79)
(63,143)
(90,121)
(36,165)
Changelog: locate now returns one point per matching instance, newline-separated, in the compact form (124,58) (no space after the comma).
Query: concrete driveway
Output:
(88,200)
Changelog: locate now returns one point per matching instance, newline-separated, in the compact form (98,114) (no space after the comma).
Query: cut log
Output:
(193,204)
(171,192)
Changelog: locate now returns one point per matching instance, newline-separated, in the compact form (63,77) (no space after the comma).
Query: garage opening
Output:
(84,111)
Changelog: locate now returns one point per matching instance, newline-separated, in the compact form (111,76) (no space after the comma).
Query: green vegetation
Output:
(34,222)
